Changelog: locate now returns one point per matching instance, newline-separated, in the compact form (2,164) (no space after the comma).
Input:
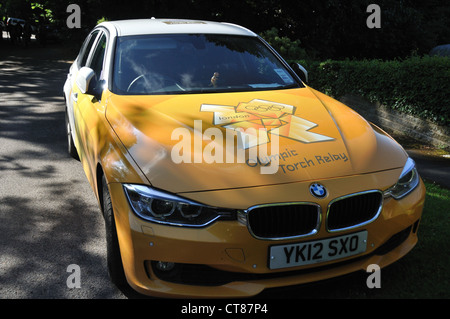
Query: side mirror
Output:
(300,71)
(84,78)
(87,83)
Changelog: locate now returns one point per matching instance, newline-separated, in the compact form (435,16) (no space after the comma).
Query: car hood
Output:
(197,142)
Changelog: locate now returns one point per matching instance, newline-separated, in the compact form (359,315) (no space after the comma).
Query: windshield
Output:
(184,63)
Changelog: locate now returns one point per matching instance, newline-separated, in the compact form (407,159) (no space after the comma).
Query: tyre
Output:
(71,149)
(114,259)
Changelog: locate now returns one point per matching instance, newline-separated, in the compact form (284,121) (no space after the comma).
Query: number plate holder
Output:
(318,251)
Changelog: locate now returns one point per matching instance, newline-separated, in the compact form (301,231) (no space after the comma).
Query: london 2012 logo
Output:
(272,117)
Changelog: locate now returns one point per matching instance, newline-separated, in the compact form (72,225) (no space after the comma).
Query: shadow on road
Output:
(31,98)
(49,218)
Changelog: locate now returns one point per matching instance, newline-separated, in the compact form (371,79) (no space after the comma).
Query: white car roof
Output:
(173,26)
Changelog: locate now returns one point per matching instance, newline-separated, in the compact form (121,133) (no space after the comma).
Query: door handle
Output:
(75,96)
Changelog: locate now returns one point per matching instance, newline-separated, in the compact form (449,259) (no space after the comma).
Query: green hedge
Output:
(419,86)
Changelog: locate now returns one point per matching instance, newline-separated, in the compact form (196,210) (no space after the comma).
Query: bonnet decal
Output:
(275,118)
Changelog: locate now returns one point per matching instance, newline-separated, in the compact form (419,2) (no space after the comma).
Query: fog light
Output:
(164,265)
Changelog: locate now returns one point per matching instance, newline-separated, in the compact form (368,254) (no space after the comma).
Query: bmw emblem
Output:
(318,190)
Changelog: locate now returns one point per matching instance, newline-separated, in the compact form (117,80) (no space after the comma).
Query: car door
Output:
(89,110)
(79,62)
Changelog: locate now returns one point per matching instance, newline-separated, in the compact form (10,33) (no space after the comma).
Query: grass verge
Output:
(424,272)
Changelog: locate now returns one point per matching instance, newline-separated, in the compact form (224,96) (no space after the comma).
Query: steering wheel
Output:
(153,81)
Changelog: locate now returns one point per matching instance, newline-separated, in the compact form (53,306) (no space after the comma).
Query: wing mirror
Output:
(300,71)
(87,82)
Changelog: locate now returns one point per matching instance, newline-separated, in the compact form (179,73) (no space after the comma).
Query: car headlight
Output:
(164,208)
(407,182)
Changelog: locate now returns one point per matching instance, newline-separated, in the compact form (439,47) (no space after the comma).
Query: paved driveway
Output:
(49,218)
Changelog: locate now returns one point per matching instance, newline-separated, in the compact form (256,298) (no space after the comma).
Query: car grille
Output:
(354,210)
(284,221)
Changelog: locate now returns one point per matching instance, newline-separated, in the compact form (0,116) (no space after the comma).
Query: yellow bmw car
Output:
(220,172)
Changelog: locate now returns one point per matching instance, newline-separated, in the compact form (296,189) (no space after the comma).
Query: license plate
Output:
(299,254)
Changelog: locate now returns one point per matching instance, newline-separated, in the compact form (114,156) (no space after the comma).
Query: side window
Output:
(99,56)
(86,48)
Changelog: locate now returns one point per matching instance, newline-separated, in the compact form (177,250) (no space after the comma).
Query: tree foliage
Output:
(424,95)
(324,28)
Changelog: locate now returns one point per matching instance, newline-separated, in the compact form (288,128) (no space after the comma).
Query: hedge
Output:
(418,86)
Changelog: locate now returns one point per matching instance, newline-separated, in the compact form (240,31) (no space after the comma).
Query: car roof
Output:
(174,26)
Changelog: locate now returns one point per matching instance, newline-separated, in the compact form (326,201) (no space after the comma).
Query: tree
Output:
(332,29)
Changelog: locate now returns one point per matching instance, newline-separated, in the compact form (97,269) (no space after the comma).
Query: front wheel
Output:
(114,259)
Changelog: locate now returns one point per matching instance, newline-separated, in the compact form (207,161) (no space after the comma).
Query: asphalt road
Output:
(49,217)
(431,167)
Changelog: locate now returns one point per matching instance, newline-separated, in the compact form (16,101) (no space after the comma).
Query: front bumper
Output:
(225,260)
